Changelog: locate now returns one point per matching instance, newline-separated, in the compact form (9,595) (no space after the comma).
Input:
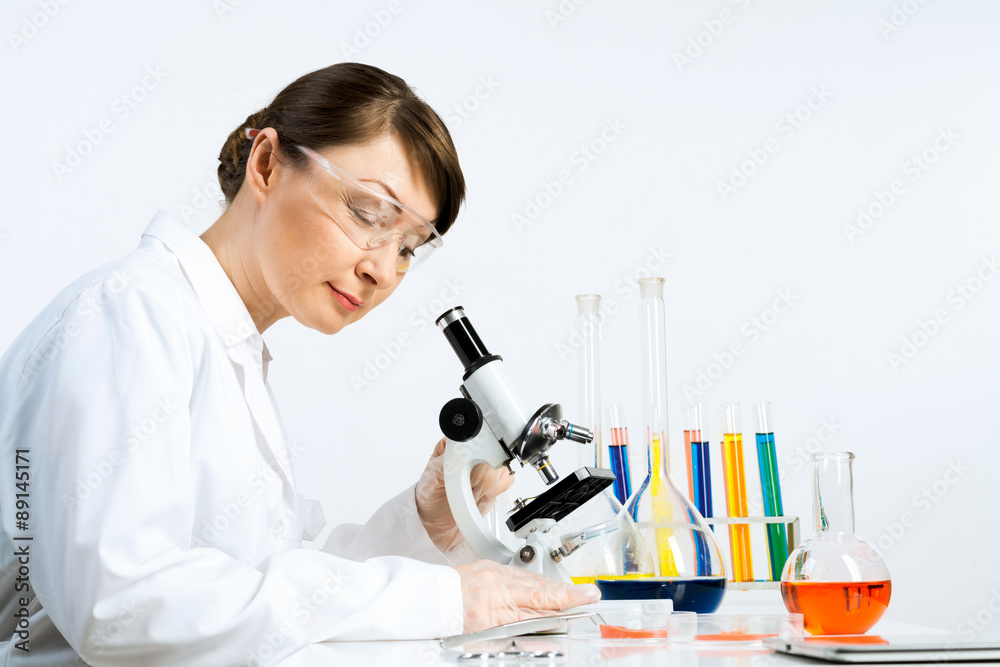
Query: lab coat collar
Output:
(231,319)
(222,302)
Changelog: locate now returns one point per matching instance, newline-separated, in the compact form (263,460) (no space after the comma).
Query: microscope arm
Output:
(459,459)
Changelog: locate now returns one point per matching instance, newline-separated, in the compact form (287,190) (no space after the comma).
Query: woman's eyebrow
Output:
(384,185)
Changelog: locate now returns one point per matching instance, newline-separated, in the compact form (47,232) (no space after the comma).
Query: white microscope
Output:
(511,432)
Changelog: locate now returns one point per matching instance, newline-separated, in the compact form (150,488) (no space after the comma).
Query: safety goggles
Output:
(371,219)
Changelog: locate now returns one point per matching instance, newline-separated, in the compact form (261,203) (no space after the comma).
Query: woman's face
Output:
(311,268)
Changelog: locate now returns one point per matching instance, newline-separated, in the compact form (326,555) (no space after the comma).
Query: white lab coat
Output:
(160,500)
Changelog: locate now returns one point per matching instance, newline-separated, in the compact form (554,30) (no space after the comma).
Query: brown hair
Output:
(351,103)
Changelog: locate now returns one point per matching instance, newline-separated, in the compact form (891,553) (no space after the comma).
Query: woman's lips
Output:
(349,302)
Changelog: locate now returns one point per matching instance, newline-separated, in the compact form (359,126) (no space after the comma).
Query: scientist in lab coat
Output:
(149,511)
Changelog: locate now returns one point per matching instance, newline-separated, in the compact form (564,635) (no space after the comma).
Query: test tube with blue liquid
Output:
(699,460)
(770,486)
(618,455)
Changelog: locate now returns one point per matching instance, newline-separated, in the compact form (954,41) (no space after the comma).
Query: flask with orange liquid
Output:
(836,580)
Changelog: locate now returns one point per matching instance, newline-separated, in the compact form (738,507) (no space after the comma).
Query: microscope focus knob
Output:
(460,419)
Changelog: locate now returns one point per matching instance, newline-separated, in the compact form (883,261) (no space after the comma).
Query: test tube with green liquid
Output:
(736,492)
(770,485)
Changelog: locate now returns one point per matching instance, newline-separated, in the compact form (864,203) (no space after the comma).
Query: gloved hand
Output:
(432,503)
(493,594)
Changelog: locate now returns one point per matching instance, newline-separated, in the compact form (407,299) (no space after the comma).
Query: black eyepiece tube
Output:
(463,338)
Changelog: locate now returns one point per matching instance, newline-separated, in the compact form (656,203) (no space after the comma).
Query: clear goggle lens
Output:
(370,218)
(371,222)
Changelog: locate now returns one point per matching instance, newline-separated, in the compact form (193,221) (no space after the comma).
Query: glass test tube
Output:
(736,492)
(589,321)
(770,486)
(654,391)
(700,465)
(696,453)
(687,452)
(618,455)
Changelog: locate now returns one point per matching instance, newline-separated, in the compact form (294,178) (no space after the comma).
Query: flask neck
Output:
(654,368)
(833,499)
(658,452)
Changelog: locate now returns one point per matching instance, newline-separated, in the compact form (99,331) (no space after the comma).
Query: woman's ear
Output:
(262,164)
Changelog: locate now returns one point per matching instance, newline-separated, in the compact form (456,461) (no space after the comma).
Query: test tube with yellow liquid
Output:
(736,492)
(684,564)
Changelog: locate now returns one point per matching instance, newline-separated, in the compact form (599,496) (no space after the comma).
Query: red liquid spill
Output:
(619,632)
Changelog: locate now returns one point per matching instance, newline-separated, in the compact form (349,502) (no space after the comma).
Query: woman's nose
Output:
(379,265)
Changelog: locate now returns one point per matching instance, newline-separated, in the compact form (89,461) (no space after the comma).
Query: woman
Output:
(153,518)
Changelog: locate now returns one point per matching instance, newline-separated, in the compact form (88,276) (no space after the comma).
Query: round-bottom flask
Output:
(668,552)
(836,580)
(662,548)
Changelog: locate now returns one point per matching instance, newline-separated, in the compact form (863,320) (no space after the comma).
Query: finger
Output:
(554,595)
(488,483)
(493,481)
(439,448)
(569,596)
(579,594)
(482,474)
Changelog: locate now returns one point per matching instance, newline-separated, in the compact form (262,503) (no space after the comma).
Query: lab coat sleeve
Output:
(112,560)
(394,530)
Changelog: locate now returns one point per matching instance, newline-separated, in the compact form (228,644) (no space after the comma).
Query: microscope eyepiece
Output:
(464,340)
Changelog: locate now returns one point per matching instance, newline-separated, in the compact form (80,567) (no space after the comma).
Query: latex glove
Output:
(432,502)
(493,594)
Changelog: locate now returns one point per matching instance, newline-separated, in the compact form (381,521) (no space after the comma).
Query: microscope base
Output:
(536,553)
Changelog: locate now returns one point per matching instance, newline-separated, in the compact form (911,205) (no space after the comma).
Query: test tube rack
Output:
(792,530)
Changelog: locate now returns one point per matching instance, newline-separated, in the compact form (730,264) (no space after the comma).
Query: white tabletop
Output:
(577,652)
(573,653)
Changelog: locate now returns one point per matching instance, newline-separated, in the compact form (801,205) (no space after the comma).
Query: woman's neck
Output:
(231,240)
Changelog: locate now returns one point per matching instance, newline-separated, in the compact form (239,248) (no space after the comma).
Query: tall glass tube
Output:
(588,307)
(653,330)
(770,486)
(736,492)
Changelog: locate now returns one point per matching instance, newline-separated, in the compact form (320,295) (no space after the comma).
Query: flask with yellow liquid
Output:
(671,553)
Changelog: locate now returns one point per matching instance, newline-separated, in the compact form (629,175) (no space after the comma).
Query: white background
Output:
(523,88)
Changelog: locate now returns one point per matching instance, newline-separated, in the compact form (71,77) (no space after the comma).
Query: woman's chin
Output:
(330,327)
(324,323)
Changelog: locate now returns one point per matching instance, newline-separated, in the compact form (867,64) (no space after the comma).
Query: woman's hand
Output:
(493,594)
(432,503)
